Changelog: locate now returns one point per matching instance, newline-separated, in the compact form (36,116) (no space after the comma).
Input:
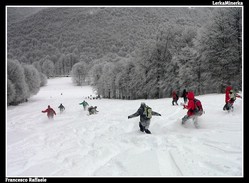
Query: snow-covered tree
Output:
(95,74)
(16,75)
(60,66)
(106,82)
(79,73)
(127,80)
(43,79)
(188,69)
(11,92)
(32,78)
(37,65)
(124,80)
(48,68)
(68,62)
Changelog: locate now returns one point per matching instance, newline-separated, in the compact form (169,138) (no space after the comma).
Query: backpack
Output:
(232,95)
(198,107)
(148,112)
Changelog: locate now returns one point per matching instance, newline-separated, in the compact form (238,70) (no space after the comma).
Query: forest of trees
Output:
(132,53)
(204,60)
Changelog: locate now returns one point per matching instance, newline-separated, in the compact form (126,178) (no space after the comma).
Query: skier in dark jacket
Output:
(62,108)
(50,112)
(184,96)
(144,121)
(175,98)
(92,110)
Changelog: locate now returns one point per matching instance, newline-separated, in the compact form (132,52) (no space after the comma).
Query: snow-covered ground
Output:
(110,144)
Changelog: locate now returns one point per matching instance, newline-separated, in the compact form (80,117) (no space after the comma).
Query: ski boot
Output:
(147,131)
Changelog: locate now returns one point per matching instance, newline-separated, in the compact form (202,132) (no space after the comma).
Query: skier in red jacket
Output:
(50,112)
(190,106)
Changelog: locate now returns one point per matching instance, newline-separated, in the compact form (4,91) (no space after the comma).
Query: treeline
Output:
(23,81)
(133,53)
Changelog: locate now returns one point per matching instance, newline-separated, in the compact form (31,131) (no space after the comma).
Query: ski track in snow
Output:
(109,144)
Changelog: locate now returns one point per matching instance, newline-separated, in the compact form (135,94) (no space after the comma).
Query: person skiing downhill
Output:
(230,97)
(191,109)
(184,96)
(85,104)
(62,108)
(175,98)
(50,112)
(92,110)
(144,122)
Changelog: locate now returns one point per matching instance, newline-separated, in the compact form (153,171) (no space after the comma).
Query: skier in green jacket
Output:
(85,104)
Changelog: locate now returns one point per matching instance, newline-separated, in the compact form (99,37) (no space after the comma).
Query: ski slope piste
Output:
(75,144)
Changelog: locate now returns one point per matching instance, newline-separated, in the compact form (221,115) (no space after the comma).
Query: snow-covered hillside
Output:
(110,144)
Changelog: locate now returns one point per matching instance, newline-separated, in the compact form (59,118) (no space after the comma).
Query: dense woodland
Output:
(127,52)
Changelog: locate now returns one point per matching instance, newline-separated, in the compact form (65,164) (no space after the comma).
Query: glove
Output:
(160,115)
(129,117)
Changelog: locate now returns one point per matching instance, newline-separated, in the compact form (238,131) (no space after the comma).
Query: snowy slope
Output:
(110,144)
